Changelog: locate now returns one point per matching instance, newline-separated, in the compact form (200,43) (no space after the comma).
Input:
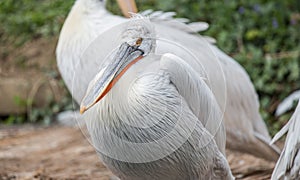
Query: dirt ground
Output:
(58,152)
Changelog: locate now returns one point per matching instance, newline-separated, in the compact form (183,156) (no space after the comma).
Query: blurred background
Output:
(263,36)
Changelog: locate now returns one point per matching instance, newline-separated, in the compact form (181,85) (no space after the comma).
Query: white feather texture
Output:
(160,120)
(234,92)
(287,103)
(151,108)
(288,165)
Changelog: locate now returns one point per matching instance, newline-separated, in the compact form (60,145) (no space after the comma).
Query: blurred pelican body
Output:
(145,126)
(88,19)
(288,165)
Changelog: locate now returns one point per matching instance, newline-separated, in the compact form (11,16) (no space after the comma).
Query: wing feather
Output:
(288,165)
(197,95)
(287,103)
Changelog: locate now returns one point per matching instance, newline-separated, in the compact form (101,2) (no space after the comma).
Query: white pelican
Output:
(246,131)
(142,118)
(288,165)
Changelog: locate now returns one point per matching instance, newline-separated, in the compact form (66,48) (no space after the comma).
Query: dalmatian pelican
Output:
(142,118)
(229,82)
(288,165)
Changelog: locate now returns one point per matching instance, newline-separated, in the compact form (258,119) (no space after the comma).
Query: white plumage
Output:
(287,103)
(288,165)
(150,125)
(88,19)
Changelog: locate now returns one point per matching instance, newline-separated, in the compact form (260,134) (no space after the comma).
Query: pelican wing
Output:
(197,95)
(288,165)
(249,120)
(247,131)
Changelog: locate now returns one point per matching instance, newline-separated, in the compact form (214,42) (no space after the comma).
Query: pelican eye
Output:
(139,41)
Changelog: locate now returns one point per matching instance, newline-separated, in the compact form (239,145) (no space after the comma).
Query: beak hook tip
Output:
(82,109)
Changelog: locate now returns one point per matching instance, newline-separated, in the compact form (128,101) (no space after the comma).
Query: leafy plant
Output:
(26,19)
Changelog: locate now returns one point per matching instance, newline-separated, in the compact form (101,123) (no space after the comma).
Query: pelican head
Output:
(138,41)
(140,29)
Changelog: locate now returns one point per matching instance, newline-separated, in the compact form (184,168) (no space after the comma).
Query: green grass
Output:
(27,19)
(263,36)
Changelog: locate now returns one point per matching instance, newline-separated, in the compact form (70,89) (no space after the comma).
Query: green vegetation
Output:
(27,19)
(43,115)
(263,36)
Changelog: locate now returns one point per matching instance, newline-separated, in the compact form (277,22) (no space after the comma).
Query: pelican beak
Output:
(127,6)
(126,56)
